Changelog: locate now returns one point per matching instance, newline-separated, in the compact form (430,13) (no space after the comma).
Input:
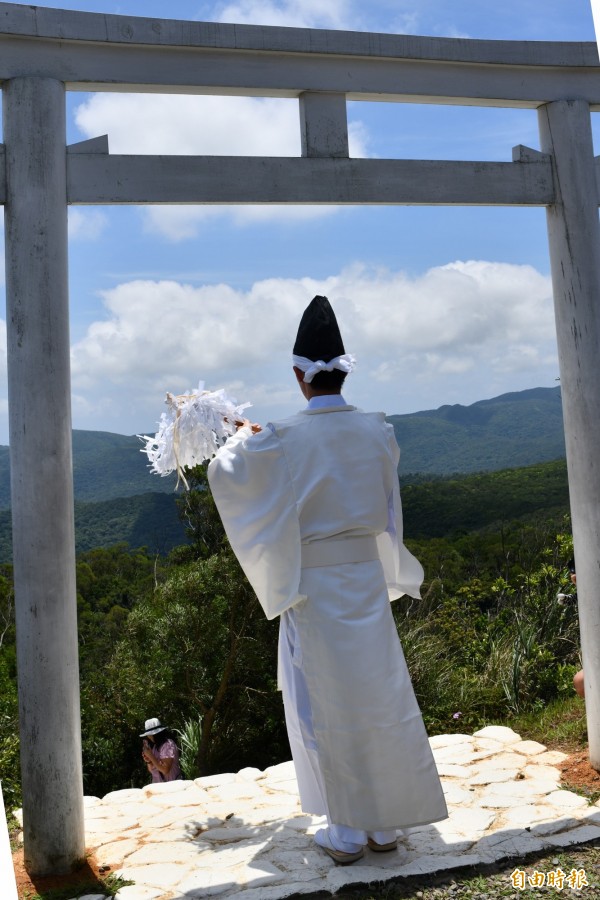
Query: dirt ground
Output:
(576,773)
(87,876)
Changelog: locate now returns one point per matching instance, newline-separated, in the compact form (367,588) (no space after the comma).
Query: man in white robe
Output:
(311,506)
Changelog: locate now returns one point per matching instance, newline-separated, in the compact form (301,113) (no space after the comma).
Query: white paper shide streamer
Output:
(191,431)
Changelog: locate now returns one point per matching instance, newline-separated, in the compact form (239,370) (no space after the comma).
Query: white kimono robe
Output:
(311,506)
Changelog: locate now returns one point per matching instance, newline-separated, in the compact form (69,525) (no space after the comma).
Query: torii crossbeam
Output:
(45,52)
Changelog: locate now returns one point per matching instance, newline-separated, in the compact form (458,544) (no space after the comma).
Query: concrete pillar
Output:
(574,236)
(323,124)
(41,473)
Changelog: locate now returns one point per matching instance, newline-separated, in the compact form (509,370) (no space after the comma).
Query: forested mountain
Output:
(444,506)
(148,520)
(436,507)
(108,465)
(105,466)
(119,501)
(513,430)
(487,640)
(509,431)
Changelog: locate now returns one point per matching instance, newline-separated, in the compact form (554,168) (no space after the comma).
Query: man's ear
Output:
(299,374)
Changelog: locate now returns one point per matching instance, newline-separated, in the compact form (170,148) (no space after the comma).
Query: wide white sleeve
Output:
(250,483)
(403,572)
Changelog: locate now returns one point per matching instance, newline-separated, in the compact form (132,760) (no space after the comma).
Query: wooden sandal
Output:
(382,848)
(323,841)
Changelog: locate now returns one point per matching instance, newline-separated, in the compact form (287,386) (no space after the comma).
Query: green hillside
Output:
(109,465)
(516,429)
(438,507)
(105,466)
(147,520)
(509,437)
(512,430)
(441,507)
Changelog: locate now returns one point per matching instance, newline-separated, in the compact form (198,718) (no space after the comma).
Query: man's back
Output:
(342,468)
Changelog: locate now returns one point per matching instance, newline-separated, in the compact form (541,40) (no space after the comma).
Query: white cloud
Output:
(390,17)
(521,357)
(460,305)
(405,23)
(212,126)
(449,364)
(394,17)
(205,125)
(290,13)
(179,223)
(468,323)
(86,225)
(472,317)
(186,125)
(359,140)
(456,333)
(154,329)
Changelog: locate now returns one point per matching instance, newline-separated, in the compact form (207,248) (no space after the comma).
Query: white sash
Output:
(338,551)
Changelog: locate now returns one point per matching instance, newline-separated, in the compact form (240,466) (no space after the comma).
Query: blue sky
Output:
(439,305)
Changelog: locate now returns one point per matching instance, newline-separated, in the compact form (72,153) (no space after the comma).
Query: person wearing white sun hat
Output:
(160,752)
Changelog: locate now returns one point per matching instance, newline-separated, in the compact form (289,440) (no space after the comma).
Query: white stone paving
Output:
(244,834)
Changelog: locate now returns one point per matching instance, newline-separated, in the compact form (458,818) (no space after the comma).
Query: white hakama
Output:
(306,507)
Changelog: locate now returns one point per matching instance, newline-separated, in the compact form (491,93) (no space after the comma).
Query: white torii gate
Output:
(43,53)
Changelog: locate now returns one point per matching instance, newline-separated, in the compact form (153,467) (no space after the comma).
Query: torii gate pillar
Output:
(574,238)
(41,473)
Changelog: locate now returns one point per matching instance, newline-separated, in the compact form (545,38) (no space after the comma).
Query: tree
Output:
(199,514)
(9,716)
(200,647)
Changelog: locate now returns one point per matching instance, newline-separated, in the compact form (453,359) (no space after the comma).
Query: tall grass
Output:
(491,653)
(190,741)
